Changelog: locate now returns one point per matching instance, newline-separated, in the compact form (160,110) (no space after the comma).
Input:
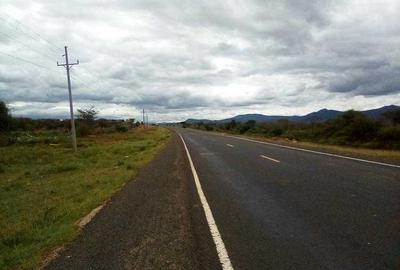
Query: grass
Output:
(45,189)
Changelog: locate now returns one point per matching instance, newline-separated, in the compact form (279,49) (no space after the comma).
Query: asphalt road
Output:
(154,222)
(278,208)
(273,207)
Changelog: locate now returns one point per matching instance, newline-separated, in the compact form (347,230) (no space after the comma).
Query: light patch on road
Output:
(219,243)
(229,145)
(272,159)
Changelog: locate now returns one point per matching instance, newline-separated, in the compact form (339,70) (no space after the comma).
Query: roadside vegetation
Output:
(45,188)
(351,128)
(350,133)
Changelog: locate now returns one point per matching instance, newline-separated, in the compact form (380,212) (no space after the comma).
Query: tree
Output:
(355,126)
(5,117)
(394,116)
(88,115)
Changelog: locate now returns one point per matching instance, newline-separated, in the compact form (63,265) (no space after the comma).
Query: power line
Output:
(39,36)
(25,45)
(24,60)
(92,78)
(18,26)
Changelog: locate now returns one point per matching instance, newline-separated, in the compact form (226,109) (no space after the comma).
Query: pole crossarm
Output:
(69,64)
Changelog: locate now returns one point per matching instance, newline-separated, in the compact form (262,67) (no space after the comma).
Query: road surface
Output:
(154,222)
(269,207)
(279,208)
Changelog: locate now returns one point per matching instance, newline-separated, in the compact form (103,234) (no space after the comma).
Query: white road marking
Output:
(206,154)
(269,158)
(315,152)
(230,145)
(219,243)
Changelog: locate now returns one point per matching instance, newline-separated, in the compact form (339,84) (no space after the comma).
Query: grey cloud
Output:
(379,81)
(172,55)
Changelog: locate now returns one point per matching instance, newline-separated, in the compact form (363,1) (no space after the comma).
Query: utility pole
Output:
(144,123)
(71,107)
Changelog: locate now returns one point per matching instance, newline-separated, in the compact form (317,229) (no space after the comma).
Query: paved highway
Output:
(279,208)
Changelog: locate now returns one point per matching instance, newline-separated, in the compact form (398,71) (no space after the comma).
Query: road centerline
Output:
(230,145)
(219,243)
(311,151)
(272,159)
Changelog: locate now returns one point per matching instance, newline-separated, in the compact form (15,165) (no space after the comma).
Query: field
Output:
(45,188)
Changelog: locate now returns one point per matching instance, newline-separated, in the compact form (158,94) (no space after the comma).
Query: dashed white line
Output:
(312,151)
(272,159)
(229,145)
(219,244)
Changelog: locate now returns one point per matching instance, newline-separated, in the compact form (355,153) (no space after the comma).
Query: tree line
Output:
(87,123)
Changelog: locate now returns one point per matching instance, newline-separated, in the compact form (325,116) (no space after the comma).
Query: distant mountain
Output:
(197,121)
(256,117)
(376,113)
(319,116)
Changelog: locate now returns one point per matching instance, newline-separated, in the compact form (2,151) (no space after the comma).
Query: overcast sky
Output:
(199,59)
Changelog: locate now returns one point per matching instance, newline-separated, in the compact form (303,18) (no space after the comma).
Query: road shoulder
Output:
(154,222)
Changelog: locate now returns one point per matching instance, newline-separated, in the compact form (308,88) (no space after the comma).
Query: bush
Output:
(390,135)
(83,129)
(5,117)
(394,116)
(355,126)
(121,128)
(276,132)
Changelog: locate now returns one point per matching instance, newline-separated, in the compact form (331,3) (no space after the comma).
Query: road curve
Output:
(278,208)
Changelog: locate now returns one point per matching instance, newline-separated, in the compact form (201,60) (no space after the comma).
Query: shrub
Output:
(276,132)
(5,117)
(82,129)
(355,126)
(390,135)
(394,116)
(121,128)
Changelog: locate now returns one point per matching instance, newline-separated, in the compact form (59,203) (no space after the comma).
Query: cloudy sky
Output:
(199,59)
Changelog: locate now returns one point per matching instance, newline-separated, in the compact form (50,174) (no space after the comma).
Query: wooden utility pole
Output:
(71,106)
(144,123)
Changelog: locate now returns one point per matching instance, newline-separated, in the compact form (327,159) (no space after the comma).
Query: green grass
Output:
(46,189)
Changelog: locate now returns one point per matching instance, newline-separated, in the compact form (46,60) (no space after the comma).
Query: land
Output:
(46,189)
(154,222)
(274,207)
(352,133)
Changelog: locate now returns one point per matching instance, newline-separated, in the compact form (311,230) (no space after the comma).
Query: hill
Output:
(319,116)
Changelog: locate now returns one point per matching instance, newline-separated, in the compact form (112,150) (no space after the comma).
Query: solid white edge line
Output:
(275,160)
(219,243)
(315,152)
